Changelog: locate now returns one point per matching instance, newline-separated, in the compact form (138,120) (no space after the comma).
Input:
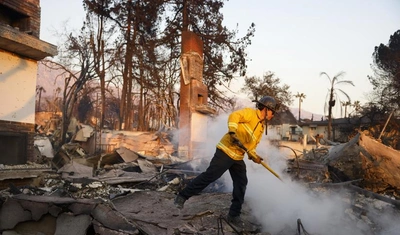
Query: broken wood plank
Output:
(54,200)
(129,178)
(127,154)
(375,195)
(146,166)
(22,174)
(339,185)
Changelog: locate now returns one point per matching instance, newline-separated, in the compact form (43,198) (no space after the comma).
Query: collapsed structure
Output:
(131,192)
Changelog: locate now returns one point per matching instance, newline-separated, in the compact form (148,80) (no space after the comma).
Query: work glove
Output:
(255,157)
(234,139)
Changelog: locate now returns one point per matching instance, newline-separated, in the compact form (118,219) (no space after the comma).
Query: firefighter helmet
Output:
(267,102)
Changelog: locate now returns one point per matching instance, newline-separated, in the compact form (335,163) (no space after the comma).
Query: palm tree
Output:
(333,95)
(39,90)
(301,96)
(345,104)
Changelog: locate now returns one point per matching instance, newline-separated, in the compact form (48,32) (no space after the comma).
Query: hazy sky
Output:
(295,39)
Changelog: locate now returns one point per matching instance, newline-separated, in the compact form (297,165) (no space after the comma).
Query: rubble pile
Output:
(23,214)
(77,194)
(364,172)
(363,160)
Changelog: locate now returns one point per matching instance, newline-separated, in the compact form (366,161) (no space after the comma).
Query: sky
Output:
(294,39)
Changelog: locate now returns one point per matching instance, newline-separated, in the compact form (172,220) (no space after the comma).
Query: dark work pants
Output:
(218,165)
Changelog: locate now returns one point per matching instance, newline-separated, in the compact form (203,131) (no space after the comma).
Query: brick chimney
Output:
(194,110)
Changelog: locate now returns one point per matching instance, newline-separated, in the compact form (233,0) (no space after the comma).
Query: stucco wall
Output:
(319,130)
(17,88)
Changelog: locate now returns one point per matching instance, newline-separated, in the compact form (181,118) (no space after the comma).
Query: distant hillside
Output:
(305,114)
(49,80)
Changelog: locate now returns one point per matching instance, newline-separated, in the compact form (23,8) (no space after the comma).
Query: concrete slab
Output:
(69,224)
(12,213)
(111,218)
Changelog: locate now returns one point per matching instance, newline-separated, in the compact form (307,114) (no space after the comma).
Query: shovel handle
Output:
(262,163)
(270,170)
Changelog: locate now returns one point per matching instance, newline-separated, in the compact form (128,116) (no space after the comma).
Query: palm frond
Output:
(345,94)
(336,78)
(346,82)
(326,104)
(341,73)
(323,73)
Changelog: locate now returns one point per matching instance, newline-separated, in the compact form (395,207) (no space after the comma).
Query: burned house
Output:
(285,126)
(20,50)
(342,128)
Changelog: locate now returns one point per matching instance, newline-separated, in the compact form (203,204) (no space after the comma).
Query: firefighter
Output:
(245,128)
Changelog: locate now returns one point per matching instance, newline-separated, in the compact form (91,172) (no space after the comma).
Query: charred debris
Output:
(129,189)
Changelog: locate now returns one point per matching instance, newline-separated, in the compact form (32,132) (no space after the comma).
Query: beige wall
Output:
(198,134)
(199,127)
(17,88)
(284,132)
(319,130)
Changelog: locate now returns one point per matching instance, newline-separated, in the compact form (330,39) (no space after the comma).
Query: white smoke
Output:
(278,205)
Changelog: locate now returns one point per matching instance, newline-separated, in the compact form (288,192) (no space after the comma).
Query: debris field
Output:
(128,192)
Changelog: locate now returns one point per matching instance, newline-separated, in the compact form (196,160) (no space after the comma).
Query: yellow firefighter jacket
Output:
(248,126)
